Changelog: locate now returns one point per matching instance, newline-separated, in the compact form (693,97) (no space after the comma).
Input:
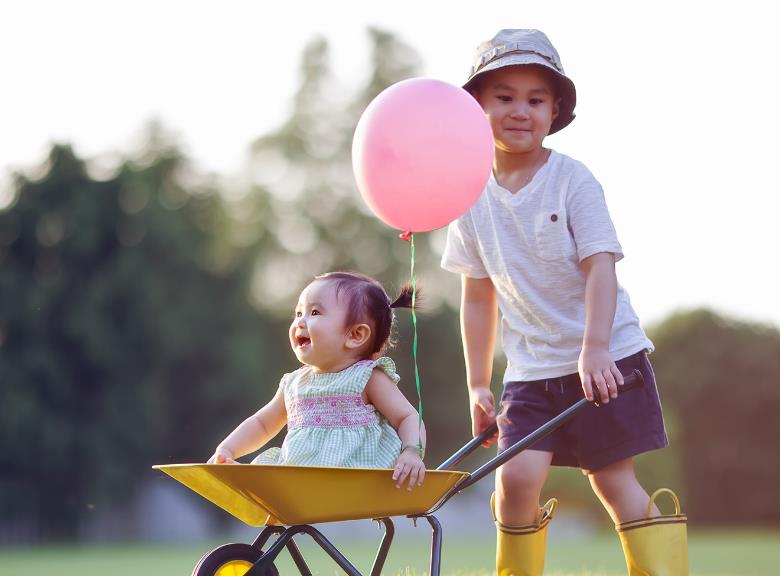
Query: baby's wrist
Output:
(417,448)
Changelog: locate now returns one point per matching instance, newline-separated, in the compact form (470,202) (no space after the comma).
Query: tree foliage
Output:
(122,334)
(720,380)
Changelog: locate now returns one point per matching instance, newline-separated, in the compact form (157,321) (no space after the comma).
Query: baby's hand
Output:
(409,464)
(222,456)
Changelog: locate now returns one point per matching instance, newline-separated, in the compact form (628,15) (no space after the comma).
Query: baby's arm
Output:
(478,321)
(595,365)
(382,392)
(253,432)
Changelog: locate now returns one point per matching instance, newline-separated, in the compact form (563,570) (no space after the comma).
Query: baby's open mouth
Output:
(302,340)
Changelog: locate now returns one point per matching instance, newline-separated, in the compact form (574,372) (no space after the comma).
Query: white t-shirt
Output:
(530,244)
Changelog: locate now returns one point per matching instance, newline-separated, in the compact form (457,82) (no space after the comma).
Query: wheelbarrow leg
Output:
(384,547)
(331,550)
(297,557)
(285,538)
(292,548)
(263,537)
(435,545)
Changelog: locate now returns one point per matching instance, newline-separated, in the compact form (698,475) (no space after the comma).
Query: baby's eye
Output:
(536,101)
(505,98)
(315,312)
(298,313)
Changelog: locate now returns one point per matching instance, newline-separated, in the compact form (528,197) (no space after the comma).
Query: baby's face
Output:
(520,104)
(318,332)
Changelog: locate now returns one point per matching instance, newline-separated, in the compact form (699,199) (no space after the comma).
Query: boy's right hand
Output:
(483,412)
(222,456)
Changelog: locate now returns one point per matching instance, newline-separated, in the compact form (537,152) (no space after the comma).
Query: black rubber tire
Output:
(211,562)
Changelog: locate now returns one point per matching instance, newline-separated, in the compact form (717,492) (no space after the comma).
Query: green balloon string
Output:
(414,351)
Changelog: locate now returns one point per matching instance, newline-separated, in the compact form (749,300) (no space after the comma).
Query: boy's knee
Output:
(615,471)
(613,479)
(519,480)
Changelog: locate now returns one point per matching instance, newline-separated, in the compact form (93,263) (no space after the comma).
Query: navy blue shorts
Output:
(628,425)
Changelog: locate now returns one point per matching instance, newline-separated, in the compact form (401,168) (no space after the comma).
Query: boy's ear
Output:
(556,108)
(358,336)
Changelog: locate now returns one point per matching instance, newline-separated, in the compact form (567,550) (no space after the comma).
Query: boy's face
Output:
(520,104)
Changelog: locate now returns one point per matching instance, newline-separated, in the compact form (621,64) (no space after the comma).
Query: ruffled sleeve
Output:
(287,384)
(387,366)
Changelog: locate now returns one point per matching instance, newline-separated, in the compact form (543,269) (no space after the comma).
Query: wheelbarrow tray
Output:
(275,495)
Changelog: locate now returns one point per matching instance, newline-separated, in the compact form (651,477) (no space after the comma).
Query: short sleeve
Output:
(387,366)
(589,218)
(284,383)
(461,254)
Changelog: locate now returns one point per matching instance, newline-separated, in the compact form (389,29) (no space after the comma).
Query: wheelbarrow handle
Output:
(631,381)
(469,447)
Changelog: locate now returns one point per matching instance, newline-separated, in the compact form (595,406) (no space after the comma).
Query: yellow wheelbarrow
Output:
(287,500)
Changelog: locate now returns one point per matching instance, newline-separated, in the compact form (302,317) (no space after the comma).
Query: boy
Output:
(540,246)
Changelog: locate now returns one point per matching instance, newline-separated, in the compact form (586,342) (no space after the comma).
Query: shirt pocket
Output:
(553,239)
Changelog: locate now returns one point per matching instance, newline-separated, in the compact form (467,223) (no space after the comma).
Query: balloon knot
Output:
(406,235)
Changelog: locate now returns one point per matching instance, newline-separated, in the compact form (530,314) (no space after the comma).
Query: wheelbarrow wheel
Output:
(231,560)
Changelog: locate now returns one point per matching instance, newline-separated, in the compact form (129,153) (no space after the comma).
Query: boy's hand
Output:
(222,456)
(599,374)
(409,465)
(483,412)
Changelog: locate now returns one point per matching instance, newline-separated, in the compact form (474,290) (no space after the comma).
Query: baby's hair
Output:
(368,302)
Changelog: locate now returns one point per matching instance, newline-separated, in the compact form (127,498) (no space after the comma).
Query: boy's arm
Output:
(254,432)
(596,368)
(478,321)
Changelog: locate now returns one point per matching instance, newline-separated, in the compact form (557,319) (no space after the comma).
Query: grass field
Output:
(711,554)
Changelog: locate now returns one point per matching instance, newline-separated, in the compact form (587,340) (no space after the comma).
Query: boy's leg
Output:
(653,544)
(619,490)
(519,484)
(521,525)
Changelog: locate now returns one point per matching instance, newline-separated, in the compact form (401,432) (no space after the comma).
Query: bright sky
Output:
(676,116)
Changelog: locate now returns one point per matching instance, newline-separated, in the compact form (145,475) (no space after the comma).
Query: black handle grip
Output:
(631,381)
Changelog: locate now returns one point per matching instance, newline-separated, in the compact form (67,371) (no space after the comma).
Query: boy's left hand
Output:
(599,374)
(409,465)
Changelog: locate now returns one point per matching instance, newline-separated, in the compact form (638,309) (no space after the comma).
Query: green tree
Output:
(720,380)
(125,327)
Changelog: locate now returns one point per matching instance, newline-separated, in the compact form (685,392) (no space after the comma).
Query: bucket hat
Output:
(513,47)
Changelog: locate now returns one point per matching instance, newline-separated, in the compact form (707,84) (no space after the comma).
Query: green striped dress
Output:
(329,424)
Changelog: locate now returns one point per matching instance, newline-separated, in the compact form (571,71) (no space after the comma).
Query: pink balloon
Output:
(422,153)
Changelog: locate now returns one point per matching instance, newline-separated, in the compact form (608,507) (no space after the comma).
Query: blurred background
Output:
(173,174)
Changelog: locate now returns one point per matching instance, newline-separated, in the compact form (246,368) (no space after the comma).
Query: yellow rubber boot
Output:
(520,549)
(656,546)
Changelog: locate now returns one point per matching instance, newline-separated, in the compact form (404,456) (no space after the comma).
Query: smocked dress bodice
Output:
(329,423)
